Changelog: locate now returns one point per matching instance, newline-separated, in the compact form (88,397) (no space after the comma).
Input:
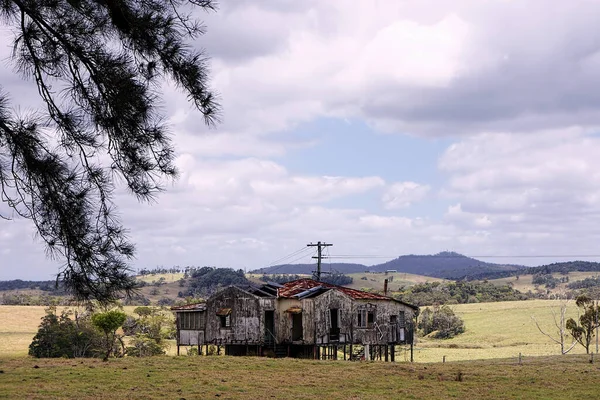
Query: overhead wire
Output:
(303,252)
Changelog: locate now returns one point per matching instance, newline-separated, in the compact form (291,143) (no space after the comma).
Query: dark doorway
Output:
(269,327)
(297,326)
(334,332)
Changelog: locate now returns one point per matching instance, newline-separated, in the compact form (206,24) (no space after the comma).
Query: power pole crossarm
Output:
(319,256)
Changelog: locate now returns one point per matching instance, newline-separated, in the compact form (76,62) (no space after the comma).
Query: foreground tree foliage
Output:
(98,67)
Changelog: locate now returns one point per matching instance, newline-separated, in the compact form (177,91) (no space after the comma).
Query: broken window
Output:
(401,319)
(225,321)
(366,318)
(224,315)
(191,320)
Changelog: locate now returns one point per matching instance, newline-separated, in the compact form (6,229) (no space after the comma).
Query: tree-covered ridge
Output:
(18,284)
(560,268)
(204,281)
(459,292)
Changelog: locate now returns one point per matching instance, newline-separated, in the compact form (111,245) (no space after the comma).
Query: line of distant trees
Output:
(555,268)
(46,286)
(160,270)
(460,292)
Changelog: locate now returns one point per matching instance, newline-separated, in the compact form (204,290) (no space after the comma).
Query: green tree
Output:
(108,322)
(442,322)
(61,336)
(98,67)
(149,331)
(583,331)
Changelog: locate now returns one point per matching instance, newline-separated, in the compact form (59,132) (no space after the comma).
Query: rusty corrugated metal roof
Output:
(223,311)
(190,307)
(293,288)
(294,310)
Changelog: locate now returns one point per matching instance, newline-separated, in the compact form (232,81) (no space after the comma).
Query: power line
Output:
(304,250)
(281,259)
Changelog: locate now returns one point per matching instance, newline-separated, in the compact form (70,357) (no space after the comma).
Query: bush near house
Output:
(440,323)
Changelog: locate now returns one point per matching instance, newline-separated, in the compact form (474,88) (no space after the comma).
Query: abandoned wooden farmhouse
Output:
(303,318)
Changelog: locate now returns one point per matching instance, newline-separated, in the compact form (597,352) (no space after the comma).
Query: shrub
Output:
(60,336)
(149,332)
(442,323)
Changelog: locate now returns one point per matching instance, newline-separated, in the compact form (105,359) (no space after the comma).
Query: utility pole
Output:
(319,256)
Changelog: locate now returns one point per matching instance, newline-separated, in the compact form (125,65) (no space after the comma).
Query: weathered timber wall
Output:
(246,318)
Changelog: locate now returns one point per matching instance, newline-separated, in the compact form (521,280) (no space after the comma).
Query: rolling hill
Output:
(446,265)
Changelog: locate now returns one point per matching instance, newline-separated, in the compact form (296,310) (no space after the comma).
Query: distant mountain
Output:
(449,265)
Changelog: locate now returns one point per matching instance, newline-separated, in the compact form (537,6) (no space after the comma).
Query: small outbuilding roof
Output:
(190,307)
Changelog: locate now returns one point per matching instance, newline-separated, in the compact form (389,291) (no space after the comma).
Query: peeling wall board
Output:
(246,320)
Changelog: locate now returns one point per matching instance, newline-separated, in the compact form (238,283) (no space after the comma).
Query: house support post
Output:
(367,352)
(386,353)
(393,353)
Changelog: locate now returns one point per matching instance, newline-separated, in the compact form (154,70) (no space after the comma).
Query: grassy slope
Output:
(523,284)
(498,330)
(570,377)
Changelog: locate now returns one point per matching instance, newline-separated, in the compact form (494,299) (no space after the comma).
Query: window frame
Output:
(365,318)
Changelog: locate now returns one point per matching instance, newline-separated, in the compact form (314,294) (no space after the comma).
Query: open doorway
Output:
(296,326)
(334,331)
(269,326)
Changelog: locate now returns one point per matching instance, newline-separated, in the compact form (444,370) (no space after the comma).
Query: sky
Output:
(382,127)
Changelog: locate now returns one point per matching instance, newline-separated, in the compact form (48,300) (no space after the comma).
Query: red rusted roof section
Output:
(190,307)
(290,289)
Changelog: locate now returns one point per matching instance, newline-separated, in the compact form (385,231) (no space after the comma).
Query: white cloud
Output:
(538,192)
(403,194)
(513,80)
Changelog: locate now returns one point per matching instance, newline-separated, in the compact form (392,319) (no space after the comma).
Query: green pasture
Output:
(186,377)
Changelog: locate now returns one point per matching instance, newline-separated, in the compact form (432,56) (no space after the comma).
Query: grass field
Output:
(559,377)
(498,330)
(155,277)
